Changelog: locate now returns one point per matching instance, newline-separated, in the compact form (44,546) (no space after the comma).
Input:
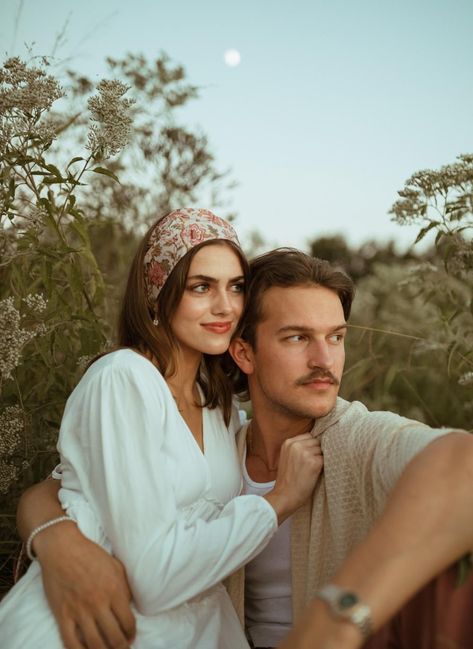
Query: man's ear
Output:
(242,354)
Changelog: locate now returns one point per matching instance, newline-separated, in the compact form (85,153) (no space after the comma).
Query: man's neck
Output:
(265,437)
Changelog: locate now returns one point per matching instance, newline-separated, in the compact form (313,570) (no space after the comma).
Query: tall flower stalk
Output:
(53,297)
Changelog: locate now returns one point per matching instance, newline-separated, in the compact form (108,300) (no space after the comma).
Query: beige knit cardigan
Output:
(364,455)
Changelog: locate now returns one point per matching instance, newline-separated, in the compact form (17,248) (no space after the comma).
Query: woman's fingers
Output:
(89,633)
(97,629)
(69,634)
(126,619)
(88,593)
(111,629)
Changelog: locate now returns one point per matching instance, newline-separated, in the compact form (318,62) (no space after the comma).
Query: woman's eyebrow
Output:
(207,278)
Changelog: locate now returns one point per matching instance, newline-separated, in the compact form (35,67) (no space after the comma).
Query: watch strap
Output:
(346,605)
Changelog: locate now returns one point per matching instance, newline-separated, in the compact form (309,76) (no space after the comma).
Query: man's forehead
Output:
(300,304)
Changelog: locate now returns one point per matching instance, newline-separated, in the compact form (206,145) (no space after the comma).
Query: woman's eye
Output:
(200,288)
(238,288)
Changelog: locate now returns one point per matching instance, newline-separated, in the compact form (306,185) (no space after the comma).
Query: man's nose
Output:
(319,355)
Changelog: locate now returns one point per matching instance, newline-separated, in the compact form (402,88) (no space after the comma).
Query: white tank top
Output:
(268,588)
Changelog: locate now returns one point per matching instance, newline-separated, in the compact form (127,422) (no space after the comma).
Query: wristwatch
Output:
(346,605)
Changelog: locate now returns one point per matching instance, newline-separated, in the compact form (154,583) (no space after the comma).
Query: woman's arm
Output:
(86,588)
(37,505)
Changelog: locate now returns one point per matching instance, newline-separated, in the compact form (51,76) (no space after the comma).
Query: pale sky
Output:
(333,105)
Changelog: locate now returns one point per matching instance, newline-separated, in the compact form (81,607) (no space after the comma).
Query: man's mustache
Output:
(318,373)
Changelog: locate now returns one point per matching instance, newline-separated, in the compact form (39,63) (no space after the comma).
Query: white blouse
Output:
(137,482)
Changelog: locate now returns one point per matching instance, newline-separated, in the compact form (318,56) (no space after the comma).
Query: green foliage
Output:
(438,200)
(408,350)
(53,298)
(411,343)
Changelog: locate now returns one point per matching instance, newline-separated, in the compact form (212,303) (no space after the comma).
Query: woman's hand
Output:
(86,588)
(300,464)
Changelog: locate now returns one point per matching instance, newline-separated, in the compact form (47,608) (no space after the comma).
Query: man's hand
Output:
(87,590)
(300,465)
(330,632)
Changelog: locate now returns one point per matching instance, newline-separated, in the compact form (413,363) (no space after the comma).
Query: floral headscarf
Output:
(173,236)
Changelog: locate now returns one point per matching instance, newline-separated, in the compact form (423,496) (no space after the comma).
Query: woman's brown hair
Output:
(136,328)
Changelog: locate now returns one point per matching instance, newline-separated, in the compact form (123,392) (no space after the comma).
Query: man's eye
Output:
(336,338)
(296,338)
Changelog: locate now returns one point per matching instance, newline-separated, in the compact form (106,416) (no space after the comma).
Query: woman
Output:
(149,467)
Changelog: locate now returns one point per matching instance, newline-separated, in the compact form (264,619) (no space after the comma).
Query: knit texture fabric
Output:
(364,455)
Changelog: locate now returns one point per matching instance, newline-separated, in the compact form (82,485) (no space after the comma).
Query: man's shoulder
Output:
(353,428)
(357,415)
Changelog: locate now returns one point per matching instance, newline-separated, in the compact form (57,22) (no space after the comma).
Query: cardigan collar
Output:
(324,423)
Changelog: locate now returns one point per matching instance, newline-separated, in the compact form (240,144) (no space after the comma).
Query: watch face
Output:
(347,600)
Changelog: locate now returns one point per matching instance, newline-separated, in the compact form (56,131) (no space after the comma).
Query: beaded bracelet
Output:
(40,528)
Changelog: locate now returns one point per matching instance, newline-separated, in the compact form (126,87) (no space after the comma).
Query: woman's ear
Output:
(242,354)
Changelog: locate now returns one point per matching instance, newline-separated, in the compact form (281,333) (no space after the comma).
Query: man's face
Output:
(297,365)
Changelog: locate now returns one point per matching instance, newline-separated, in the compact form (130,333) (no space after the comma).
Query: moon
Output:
(232,58)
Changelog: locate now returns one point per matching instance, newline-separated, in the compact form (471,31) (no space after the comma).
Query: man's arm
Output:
(86,588)
(427,524)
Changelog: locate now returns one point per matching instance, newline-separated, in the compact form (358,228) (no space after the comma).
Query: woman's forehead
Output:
(216,260)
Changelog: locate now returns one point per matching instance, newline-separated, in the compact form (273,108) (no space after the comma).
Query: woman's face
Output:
(212,302)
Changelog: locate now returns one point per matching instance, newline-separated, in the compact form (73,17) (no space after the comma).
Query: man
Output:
(392,509)
(401,486)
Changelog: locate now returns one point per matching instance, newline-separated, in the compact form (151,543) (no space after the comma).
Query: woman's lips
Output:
(218,327)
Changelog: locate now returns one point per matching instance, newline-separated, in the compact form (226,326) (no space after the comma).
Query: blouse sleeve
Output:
(112,433)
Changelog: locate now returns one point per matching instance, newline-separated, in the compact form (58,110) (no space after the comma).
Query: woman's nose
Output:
(222,303)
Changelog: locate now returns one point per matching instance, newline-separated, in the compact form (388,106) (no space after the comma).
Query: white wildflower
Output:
(8,474)
(425,346)
(466,379)
(35,302)
(83,361)
(11,427)
(111,127)
(14,337)
(26,89)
